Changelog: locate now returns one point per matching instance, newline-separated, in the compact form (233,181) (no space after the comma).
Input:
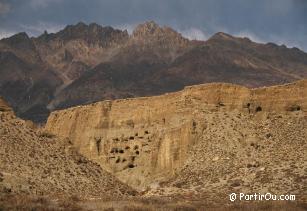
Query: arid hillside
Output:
(181,150)
(201,143)
(38,164)
(83,64)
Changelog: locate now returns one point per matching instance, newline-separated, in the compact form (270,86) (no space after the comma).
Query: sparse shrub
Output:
(130,123)
(45,134)
(75,198)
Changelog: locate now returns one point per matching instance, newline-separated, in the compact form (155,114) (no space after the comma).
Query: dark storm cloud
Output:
(280,21)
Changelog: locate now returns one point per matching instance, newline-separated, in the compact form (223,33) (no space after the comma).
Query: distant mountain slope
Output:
(222,58)
(26,82)
(86,63)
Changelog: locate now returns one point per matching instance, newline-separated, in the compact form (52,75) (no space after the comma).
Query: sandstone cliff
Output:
(146,140)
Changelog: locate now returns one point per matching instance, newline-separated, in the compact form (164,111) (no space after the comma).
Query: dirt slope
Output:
(239,153)
(37,163)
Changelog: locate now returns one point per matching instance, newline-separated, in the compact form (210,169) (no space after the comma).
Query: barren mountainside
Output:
(87,63)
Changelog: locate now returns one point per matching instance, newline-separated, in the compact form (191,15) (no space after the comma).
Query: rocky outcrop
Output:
(77,48)
(280,98)
(145,140)
(151,33)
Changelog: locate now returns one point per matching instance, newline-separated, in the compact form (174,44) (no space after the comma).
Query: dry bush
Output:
(45,134)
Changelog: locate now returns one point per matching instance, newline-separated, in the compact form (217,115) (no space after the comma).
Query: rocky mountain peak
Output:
(19,36)
(222,36)
(22,46)
(147,28)
(151,29)
(92,33)
(150,33)
(81,25)
(223,40)
(20,40)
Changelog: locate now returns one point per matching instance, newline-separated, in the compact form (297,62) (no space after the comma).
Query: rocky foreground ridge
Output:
(34,163)
(202,142)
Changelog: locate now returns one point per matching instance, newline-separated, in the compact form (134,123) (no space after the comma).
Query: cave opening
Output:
(258,109)
(98,145)
(131,165)
(295,108)
(248,106)
(114,150)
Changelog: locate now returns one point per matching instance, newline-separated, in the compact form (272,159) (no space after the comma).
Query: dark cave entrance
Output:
(258,109)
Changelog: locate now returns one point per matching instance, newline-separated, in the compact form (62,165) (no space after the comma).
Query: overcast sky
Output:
(279,21)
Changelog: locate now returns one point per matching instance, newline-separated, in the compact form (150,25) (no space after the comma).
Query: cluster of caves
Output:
(255,109)
(128,149)
(115,151)
(259,108)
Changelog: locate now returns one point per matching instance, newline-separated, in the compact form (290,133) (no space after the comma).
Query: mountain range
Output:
(84,63)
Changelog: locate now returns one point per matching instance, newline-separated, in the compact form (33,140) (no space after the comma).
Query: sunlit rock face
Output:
(148,140)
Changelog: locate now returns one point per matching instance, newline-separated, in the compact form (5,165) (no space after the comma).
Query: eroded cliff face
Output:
(147,140)
(134,139)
